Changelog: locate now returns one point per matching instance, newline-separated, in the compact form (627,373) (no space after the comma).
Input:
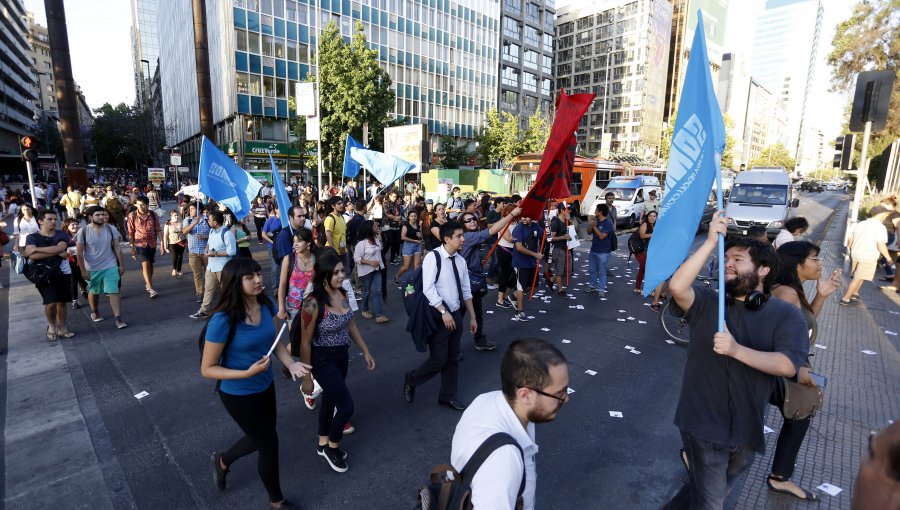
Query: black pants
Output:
(790,438)
(259,226)
(478,306)
(391,243)
(78,282)
(255,414)
(177,252)
(330,367)
(244,251)
(443,358)
(507,275)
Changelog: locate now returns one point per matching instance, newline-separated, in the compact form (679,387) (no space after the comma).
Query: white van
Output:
(760,197)
(631,193)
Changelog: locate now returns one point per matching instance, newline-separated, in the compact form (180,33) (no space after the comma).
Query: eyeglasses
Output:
(562,400)
(469,220)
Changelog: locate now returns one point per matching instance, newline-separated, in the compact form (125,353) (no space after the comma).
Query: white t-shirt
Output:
(496,484)
(864,239)
(783,237)
(24,227)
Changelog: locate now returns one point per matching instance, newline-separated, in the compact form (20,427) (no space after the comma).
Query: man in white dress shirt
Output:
(535,379)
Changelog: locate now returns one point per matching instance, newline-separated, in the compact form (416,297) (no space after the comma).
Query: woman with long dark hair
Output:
(648,223)
(798,262)
(238,337)
(296,274)
(177,241)
(438,218)
(70,227)
(323,342)
(411,235)
(370,267)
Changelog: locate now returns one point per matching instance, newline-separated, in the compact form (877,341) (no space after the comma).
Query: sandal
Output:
(67,334)
(807,495)
(51,337)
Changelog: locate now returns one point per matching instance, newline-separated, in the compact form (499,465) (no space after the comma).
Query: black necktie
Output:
(452,259)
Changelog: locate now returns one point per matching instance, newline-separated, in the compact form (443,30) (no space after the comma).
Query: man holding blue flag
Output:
(736,355)
(225,182)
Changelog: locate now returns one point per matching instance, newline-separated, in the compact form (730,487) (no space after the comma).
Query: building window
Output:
(511,28)
(255,85)
(547,64)
(510,100)
(532,37)
(511,52)
(545,86)
(268,44)
(510,76)
(529,82)
(243,83)
(240,40)
(548,42)
(513,6)
(533,13)
(529,104)
(253,40)
(269,86)
(548,21)
(531,59)
(585,23)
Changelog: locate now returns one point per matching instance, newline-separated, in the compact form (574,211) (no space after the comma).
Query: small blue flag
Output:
(281,197)
(351,167)
(698,142)
(386,169)
(225,182)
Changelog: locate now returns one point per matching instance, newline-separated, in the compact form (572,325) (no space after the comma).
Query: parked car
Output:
(760,197)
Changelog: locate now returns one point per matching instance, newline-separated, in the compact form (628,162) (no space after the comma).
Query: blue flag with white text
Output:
(225,182)
(281,197)
(351,166)
(698,142)
(386,169)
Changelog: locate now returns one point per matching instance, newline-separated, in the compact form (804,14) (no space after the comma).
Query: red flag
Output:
(559,156)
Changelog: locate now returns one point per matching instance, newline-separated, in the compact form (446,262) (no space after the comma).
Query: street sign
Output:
(871,100)
(156,175)
(306,99)
(175,160)
(183,169)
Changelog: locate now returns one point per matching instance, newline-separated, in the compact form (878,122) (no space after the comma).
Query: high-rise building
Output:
(17,89)
(684,22)
(784,59)
(617,49)
(144,46)
(42,68)
(441,55)
(526,64)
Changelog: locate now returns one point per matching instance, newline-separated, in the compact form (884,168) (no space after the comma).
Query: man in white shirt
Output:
(793,228)
(867,240)
(535,380)
(447,295)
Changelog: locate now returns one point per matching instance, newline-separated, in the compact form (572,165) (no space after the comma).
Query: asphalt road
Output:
(154,452)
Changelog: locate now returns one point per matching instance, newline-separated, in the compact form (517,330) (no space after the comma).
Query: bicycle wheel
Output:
(676,328)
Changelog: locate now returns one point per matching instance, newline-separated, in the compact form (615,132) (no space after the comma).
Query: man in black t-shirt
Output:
(559,243)
(729,376)
(48,248)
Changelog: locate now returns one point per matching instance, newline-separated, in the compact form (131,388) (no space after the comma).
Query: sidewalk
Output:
(862,394)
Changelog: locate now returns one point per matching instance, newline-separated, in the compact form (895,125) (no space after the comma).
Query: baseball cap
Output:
(429,201)
(561,207)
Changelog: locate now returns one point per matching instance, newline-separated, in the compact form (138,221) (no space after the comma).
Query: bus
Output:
(589,177)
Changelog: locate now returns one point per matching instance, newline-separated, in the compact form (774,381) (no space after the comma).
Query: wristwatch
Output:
(444,312)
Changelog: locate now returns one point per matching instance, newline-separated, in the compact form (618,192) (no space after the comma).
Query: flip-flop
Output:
(67,334)
(807,495)
(51,337)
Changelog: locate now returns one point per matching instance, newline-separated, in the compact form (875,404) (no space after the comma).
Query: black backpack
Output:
(442,493)
(422,322)
(636,244)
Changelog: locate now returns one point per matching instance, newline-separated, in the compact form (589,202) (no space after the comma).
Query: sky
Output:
(100,42)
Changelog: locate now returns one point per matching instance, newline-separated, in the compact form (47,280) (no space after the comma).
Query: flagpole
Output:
(720,250)
(318,108)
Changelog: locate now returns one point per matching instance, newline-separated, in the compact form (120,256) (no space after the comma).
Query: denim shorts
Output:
(146,254)
(410,249)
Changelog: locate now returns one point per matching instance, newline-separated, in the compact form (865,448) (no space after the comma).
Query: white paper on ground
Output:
(629,347)
(646,304)
(579,307)
(829,489)
(670,342)
(892,333)
(569,391)
(544,329)
(893,312)
(489,311)
(141,395)
(635,351)
(642,322)
(630,318)
(869,352)
(616,414)
(767,430)
(622,311)
(620,320)
(820,346)
(277,338)
(603,299)
(566,341)
(571,306)
(590,372)
(542,311)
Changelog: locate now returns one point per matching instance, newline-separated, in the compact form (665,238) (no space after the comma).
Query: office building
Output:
(526,63)
(17,89)
(684,22)
(441,55)
(618,50)
(42,69)
(784,59)
(144,46)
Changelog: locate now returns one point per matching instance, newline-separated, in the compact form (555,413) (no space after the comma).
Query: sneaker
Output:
(335,458)
(511,299)
(367,314)
(348,429)
(485,345)
(601,293)
(492,286)
(153,294)
(395,262)
(590,290)
(198,315)
(219,474)
(381,319)
(562,293)
(503,304)
(851,302)
(96,317)
(75,305)
(521,317)
(321,448)
(309,401)
(655,307)
(199,299)
(120,324)
(174,273)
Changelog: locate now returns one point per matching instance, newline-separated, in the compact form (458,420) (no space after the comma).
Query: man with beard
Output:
(534,377)
(100,262)
(729,376)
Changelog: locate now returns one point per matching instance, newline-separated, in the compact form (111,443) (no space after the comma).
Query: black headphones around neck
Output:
(754,301)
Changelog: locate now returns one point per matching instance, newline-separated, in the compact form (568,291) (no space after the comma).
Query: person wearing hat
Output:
(90,199)
(652,203)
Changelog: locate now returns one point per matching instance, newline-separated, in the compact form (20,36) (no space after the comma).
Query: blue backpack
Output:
(423,318)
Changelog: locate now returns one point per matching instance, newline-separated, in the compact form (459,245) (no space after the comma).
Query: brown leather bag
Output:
(801,401)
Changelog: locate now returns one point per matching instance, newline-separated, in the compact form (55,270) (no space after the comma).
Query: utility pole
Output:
(69,124)
(201,57)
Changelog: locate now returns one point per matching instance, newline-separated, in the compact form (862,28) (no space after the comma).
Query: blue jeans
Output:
(276,271)
(713,471)
(371,284)
(597,270)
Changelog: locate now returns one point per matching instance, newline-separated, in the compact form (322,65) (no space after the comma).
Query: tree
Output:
(727,156)
(501,139)
(665,142)
(774,155)
(534,138)
(868,39)
(125,137)
(454,154)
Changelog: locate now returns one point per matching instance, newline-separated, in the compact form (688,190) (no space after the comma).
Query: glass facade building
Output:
(526,63)
(441,55)
(144,46)
(17,90)
(618,50)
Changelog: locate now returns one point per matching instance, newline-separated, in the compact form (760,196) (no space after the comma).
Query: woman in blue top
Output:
(323,341)
(247,390)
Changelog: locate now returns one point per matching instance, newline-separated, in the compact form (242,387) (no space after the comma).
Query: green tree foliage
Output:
(453,154)
(869,39)
(774,155)
(125,137)
(728,156)
(501,139)
(665,143)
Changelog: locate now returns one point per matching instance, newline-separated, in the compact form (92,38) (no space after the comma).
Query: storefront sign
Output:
(264,149)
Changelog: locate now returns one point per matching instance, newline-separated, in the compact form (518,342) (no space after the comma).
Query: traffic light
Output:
(843,152)
(28,147)
(838,149)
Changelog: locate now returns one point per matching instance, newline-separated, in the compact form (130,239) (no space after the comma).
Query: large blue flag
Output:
(281,198)
(351,166)
(386,169)
(225,182)
(694,161)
